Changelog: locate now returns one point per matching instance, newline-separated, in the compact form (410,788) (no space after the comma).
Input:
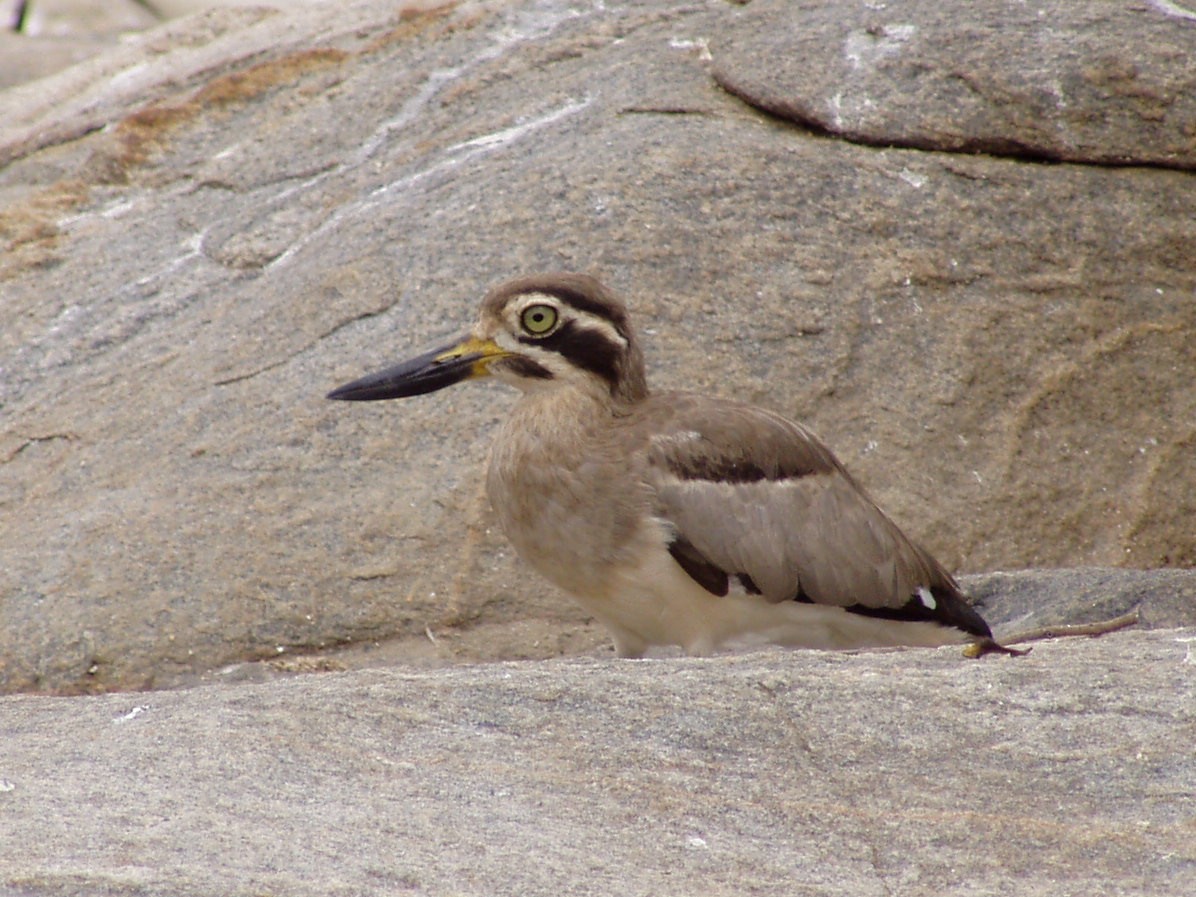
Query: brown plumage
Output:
(675,518)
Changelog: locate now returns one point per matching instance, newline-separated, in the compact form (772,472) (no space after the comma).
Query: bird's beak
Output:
(463,360)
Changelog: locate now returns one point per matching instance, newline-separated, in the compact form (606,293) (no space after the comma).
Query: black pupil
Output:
(538,317)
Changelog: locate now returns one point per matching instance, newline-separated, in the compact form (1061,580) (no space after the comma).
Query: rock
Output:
(55,34)
(1068,772)
(1031,599)
(27,60)
(208,227)
(1102,83)
(1015,604)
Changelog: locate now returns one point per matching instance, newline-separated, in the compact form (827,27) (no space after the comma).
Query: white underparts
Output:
(653,602)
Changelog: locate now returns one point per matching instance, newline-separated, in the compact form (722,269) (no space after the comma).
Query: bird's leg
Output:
(627,645)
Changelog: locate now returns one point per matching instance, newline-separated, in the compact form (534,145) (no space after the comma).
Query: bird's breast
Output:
(562,493)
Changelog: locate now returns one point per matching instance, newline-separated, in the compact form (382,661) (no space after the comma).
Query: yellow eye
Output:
(538,319)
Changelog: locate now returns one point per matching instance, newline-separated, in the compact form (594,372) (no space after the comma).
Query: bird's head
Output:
(546,331)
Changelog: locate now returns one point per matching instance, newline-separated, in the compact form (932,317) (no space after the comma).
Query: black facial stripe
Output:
(527,367)
(587,305)
(587,349)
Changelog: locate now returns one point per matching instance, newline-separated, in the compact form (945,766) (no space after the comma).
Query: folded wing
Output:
(753,497)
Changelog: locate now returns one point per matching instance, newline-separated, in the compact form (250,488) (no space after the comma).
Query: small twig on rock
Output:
(1065,630)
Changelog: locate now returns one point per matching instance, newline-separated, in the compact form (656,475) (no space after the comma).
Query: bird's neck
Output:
(554,453)
(563,414)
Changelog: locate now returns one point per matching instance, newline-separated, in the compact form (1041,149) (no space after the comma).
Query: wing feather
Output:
(753,495)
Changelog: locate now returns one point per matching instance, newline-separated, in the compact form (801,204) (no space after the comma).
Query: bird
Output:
(677,520)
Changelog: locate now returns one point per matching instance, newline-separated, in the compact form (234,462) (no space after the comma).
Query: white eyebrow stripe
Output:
(583,319)
(595,324)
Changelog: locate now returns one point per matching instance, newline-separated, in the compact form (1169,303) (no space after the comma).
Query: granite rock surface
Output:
(1067,772)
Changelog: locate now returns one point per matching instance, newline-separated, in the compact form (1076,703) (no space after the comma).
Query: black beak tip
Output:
(416,377)
(367,389)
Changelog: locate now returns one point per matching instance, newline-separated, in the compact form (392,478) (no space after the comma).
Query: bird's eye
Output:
(538,319)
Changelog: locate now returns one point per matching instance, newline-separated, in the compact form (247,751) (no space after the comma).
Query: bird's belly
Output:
(653,602)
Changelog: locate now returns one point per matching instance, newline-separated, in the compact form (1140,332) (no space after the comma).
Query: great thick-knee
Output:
(676,518)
